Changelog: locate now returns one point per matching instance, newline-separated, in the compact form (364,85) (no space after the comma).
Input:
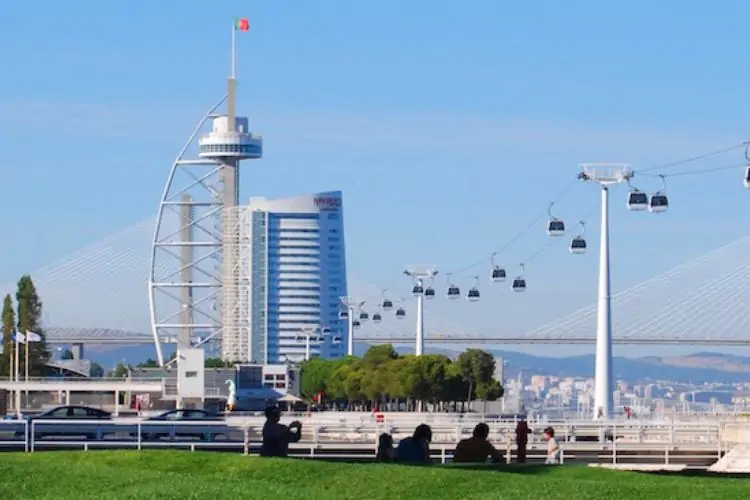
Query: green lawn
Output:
(159,475)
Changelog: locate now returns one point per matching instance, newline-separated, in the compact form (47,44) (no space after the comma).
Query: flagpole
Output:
(234,53)
(17,376)
(26,348)
(16,361)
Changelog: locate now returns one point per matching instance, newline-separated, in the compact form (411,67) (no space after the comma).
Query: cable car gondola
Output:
(343,314)
(387,304)
(519,282)
(429,293)
(498,274)
(578,244)
(473,294)
(417,289)
(637,200)
(377,318)
(453,291)
(658,202)
(356,323)
(400,313)
(363,316)
(746,180)
(336,340)
(555,226)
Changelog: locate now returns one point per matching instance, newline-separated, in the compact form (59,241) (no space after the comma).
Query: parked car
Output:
(53,422)
(189,423)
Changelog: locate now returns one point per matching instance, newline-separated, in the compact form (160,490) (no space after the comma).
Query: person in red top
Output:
(522,439)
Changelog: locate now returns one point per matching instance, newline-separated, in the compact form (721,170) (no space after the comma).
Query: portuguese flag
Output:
(242,24)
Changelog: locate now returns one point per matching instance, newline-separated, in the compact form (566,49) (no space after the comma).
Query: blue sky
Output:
(449,126)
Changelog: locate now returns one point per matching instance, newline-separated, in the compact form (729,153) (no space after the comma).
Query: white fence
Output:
(613,442)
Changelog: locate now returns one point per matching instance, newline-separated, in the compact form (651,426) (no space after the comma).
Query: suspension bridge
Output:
(97,295)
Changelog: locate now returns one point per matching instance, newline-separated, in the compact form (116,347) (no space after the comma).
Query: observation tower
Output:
(199,279)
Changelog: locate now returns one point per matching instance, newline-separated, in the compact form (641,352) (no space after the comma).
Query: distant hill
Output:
(694,368)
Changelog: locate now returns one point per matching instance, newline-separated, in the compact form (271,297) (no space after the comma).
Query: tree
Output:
(67,354)
(149,363)
(383,380)
(30,320)
(313,376)
(217,363)
(477,367)
(97,371)
(9,326)
(121,371)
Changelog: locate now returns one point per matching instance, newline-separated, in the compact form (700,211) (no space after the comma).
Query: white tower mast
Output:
(352,306)
(199,277)
(606,175)
(420,274)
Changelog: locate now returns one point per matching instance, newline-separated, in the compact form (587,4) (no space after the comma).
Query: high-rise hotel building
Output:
(298,274)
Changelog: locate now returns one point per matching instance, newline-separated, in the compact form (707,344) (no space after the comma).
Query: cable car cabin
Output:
(555,227)
(498,274)
(747,177)
(356,323)
(400,313)
(429,293)
(637,201)
(417,290)
(578,246)
(344,315)
(377,318)
(658,203)
(387,305)
(337,340)
(454,292)
(363,316)
(472,295)
(519,285)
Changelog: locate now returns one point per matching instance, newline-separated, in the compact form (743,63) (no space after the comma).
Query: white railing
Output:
(619,443)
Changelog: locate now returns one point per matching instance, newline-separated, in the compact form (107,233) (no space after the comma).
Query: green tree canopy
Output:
(383,379)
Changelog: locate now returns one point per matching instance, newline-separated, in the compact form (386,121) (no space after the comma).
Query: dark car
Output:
(54,422)
(189,423)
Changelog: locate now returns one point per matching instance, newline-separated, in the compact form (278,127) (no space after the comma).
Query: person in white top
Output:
(553,449)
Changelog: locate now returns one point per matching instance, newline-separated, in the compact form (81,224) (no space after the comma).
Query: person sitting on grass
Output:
(415,449)
(277,436)
(553,449)
(385,453)
(477,449)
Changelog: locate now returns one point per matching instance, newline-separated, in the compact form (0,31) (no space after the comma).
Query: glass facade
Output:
(298,273)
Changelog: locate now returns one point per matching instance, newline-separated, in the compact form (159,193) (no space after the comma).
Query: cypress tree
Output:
(30,320)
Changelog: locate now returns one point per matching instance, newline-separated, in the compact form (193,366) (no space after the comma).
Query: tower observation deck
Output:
(199,277)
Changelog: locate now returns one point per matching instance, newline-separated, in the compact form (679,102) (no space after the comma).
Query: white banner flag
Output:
(33,337)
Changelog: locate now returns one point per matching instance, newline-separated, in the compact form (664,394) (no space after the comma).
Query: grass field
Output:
(119,475)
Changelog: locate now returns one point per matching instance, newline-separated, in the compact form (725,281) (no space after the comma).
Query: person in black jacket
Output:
(277,436)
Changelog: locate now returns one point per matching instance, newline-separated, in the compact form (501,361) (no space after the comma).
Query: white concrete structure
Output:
(298,272)
(198,284)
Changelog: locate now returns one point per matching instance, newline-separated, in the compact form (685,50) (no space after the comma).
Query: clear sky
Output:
(448,125)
